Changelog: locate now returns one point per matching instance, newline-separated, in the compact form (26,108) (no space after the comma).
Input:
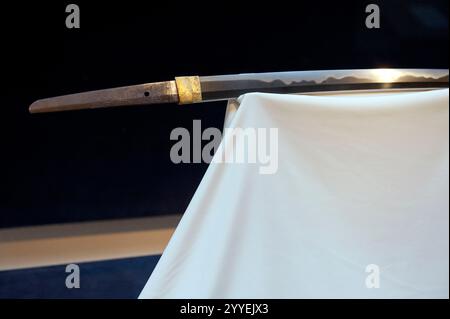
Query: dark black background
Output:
(114,163)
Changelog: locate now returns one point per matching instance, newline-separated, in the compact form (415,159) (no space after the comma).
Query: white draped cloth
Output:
(358,206)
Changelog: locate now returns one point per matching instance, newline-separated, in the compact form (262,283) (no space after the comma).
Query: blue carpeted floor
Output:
(121,278)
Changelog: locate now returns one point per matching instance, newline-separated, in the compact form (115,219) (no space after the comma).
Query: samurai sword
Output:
(195,89)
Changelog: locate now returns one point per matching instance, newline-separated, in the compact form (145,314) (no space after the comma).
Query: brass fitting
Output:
(189,89)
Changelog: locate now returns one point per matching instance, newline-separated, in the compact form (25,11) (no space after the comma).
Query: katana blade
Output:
(194,89)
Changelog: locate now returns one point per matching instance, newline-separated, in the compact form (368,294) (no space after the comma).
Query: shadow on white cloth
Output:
(361,180)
